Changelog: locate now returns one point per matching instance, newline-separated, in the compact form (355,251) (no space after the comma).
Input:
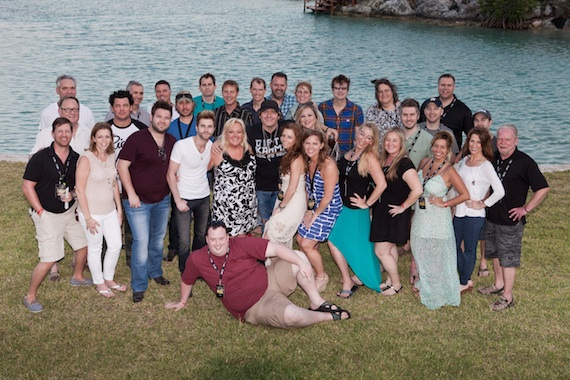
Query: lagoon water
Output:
(521,77)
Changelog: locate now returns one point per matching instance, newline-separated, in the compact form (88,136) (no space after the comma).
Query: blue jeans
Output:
(265,204)
(467,229)
(200,210)
(148,223)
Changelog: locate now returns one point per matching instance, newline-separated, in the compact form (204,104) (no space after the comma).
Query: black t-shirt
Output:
(456,116)
(518,173)
(268,152)
(351,182)
(43,170)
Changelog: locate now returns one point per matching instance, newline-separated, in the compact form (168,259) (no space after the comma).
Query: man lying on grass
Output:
(233,269)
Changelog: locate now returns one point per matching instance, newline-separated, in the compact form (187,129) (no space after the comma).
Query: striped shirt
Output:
(221,116)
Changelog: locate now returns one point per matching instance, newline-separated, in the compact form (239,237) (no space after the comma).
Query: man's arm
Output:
(185,293)
(284,253)
(29,189)
(537,197)
(125,176)
(181,205)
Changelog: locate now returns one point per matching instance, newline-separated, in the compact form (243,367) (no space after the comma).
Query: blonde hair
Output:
(223,138)
(370,150)
(391,174)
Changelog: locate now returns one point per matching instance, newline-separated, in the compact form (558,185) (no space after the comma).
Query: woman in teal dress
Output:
(359,172)
(432,236)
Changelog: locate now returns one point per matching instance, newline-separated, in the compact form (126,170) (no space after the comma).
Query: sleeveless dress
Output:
(351,231)
(385,227)
(321,228)
(281,227)
(433,245)
(235,202)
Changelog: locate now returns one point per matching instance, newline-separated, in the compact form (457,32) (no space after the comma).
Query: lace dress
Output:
(433,245)
(281,227)
(235,202)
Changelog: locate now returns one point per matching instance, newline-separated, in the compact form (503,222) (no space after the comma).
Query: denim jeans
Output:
(200,210)
(265,204)
(148,223)
(467,229)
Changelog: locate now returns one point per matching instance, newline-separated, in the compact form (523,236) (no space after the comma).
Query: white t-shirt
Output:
(121,135)
(79,142)
(50,113)
(193,182)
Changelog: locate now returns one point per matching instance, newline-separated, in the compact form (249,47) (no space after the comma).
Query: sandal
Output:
(329,307)
(396,291)
(337,314)
(54,276)
(347,293)
(384,286)
(119,287)
(483,272)
(107,293)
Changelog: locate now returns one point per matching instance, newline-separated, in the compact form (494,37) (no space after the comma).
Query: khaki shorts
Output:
(52,228)
(270,309)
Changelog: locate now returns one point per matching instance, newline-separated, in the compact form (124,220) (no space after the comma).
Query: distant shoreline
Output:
(545,168)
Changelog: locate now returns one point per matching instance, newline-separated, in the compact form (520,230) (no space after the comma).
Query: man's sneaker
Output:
(502,304)
(34,307)
(170,255)
(489,290)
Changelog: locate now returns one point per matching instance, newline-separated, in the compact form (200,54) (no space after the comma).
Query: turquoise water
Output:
(521,77)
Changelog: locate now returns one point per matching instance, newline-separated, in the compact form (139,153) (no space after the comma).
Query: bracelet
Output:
(524,207)
(40,211)
(404,207)
(445,204)
(280,207)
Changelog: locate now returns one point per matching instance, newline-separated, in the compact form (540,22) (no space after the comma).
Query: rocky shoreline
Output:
(546,168)
(446,12)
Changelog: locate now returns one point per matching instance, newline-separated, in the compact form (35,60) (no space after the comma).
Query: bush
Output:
(506,14)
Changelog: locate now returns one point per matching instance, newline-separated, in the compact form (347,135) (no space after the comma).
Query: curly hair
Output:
(294,151)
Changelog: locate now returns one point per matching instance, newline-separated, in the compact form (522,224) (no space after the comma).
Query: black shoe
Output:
(170,255)
(138,296)
(161,280)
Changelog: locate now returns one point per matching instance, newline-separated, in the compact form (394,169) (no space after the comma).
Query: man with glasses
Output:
(257,88)
(208,100)
(136,90)
(279,94)
(142,167)
(65,87)
(250,291)
(341,114)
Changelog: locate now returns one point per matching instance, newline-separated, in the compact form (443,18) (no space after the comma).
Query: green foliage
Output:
(506,14)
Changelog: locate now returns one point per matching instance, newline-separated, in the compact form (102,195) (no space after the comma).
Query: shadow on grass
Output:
(247,368)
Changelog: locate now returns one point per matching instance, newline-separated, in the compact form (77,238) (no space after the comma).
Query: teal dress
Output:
(433,244)
(351,231)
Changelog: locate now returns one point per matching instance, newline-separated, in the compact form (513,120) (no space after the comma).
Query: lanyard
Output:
(449,109)
(504,173)
(220,272)
(62,177)
(427,178)
(180,129)
(347,169)
(414,142)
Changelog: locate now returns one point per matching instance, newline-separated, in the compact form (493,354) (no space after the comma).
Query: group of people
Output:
(284,167)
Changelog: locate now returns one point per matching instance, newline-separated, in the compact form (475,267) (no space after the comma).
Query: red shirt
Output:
(244,277)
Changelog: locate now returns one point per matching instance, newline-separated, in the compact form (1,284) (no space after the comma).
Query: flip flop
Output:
(347,293)
(384,286)
(119,287)
(396,291)
(107,293)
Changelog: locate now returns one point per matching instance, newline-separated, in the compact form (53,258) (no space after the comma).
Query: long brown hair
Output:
(294,151)
(485,138)
(391,174)
(96,128)
(323,153)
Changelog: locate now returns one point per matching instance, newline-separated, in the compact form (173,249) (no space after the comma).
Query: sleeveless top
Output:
(100,184)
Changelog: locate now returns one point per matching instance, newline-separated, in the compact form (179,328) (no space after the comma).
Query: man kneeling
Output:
(233,269)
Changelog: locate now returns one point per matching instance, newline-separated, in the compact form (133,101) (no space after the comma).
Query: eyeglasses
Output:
(183,96)
(162,154)
(340,88)
(70,110)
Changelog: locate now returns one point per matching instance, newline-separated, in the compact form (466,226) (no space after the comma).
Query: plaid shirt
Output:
(345,123)
(288,102)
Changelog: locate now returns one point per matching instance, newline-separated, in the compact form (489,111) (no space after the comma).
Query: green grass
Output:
(83,335)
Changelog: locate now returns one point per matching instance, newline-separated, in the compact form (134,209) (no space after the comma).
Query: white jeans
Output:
(110,228)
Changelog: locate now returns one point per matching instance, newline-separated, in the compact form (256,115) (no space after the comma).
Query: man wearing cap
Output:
(265,139)
(482,119)
(279,94)
(456,115)
(181,128)
(65,88)
(163,92)
(506,219)
(250,291)
(230,92)
(208,100)
(432,112)
(257,88)
(136,90)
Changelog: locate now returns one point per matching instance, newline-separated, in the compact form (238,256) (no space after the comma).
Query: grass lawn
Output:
(83,335)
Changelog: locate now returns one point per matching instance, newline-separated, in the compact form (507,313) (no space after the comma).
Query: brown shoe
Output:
(502,303)
(489,290)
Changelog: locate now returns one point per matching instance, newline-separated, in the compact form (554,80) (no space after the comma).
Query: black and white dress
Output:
(235,202)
